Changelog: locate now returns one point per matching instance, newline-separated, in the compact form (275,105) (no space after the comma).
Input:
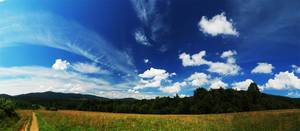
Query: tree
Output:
(253,88)
(7,108)
(200,92)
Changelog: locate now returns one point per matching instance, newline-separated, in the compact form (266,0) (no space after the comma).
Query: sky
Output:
(148,48)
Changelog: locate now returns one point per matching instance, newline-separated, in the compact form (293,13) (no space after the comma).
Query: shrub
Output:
(7,108)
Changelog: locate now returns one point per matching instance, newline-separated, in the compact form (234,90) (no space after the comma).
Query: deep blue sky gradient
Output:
(269,32)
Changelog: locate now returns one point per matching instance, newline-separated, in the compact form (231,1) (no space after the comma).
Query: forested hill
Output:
(203,101)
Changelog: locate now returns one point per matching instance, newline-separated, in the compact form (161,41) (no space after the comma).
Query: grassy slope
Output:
(77,120)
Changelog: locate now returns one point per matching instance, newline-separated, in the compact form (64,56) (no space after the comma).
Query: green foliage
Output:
(253,88)
(8,116)
(7,108)
(203,101)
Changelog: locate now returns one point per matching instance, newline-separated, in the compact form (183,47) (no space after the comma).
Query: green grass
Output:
(92,121)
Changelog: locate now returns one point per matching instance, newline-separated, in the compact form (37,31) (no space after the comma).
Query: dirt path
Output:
(34,123)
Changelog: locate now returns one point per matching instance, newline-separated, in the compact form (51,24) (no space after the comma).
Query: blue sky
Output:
(148,48)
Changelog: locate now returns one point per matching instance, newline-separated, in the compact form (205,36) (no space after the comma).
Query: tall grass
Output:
(15,123)
(90,121)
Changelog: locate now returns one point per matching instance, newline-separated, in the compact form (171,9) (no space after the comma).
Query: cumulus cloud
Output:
(228,68)
(153,78)
(175,88)
(242,85)
(198,79)
(296,68)
(60,64)
(20,28)
(284,80)
(194,60)
(265,68)
(141,38)
(229,55)
(217,83)
(224,68)
(218,25)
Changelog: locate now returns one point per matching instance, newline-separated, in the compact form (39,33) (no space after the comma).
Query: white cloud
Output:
(284,80)
(175,88)
(60,64)
(194,60)
(27,79)
(293,94)
(218,25)
(224,68)
(296,68)
(183,95)
(242,85)
(228,68)
(198,79)
(152,15)
(141,38)
(153,78)
(133,91)
(2,1)
(125,94)
(88,68)
(19,80)
(217,83)
(265,68)
(146,61)
(20,28)
(152,72)
(229,55)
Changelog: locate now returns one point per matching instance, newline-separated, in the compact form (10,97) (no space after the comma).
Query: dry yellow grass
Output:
(80,120)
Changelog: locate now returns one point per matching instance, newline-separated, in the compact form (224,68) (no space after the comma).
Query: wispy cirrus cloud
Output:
(46,29)
(26,79)
(152,14)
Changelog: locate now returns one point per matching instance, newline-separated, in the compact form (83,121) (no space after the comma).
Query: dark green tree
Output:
(253,88)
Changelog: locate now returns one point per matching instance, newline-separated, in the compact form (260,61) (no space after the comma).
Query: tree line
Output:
(203,101)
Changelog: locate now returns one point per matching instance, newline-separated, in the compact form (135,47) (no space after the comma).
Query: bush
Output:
(7,108)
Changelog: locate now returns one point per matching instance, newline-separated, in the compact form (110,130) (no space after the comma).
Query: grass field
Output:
(14,124)
(279,120)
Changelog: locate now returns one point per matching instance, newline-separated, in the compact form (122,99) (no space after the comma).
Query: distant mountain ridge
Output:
(58,95)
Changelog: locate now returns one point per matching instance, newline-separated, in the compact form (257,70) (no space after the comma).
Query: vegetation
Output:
(202,102)
(247,121)
(9,120)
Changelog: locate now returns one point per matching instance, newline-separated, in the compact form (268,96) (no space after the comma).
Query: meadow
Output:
(64,120)
(14,124)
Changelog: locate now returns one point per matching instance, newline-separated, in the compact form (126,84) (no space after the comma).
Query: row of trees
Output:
(203,101)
